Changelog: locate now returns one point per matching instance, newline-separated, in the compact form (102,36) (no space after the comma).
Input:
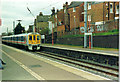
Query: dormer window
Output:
(74,9)
(89,6)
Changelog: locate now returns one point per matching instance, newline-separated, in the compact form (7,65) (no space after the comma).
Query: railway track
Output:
(102,70)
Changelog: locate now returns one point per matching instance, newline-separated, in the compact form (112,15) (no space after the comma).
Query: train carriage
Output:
(30,41)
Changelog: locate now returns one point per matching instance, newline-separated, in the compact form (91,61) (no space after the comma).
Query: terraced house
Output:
(102,17)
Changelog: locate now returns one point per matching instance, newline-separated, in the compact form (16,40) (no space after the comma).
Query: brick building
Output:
(102,16)
(53,21)
(69,17)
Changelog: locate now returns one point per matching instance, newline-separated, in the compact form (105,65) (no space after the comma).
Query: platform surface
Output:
(22,65)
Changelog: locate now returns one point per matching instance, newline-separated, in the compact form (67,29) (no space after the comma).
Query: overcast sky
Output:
(12,10)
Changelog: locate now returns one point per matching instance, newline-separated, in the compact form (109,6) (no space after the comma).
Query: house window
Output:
(106,15)
(111,8)
(106,4)
(89,17)
(56,16)
(74,9)
(56,23)
(89,6)
(60,23)
(117,9)
(64,10)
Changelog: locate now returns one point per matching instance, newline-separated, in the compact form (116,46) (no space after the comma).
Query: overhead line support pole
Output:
(85,24)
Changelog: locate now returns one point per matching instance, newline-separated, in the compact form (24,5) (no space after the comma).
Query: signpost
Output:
(90,39)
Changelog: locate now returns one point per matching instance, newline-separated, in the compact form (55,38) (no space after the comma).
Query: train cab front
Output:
(34,42)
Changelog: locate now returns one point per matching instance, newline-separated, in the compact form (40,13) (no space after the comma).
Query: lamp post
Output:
(34,18)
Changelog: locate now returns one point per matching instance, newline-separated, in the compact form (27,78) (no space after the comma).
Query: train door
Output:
(38,39)
(34,39)
(30,39)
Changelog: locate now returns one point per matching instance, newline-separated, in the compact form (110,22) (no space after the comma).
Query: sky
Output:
(13,10)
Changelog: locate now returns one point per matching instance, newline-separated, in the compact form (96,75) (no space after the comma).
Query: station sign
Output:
(42,36)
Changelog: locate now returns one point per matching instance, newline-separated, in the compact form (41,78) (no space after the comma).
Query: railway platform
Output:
(103,51)
(22,65)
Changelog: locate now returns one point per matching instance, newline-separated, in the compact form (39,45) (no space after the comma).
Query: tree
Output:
(19,29)
(10,33)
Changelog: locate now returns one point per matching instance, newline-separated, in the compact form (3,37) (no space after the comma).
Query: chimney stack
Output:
(53,11)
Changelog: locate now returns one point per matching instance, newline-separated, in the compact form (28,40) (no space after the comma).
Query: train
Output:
(30,41)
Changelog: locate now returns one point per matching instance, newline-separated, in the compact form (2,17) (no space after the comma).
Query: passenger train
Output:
(30,41)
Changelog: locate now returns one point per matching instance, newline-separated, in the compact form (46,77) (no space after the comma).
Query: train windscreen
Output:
(38,37)
(30,37)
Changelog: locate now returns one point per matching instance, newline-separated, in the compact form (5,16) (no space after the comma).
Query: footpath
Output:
(105,51)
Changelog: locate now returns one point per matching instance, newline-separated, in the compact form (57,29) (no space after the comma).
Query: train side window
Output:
(38,37)
(30,37)
(13,38)
(22,38)
(16,38)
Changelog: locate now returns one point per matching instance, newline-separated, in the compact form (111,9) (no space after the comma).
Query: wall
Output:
(108,41)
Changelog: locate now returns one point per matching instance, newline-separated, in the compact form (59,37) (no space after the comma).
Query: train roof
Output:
(21,34)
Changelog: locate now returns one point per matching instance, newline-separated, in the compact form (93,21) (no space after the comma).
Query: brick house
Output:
(103,16)
(60,22)
(69,17)
(53,21)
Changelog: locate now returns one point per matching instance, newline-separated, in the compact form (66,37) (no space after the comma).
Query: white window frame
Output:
(106,4)
(64,10)
(107,15)
(111,9)
(74,9)
(89,17)
(56,16)
(89,6)
(60,23)
(117,10)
